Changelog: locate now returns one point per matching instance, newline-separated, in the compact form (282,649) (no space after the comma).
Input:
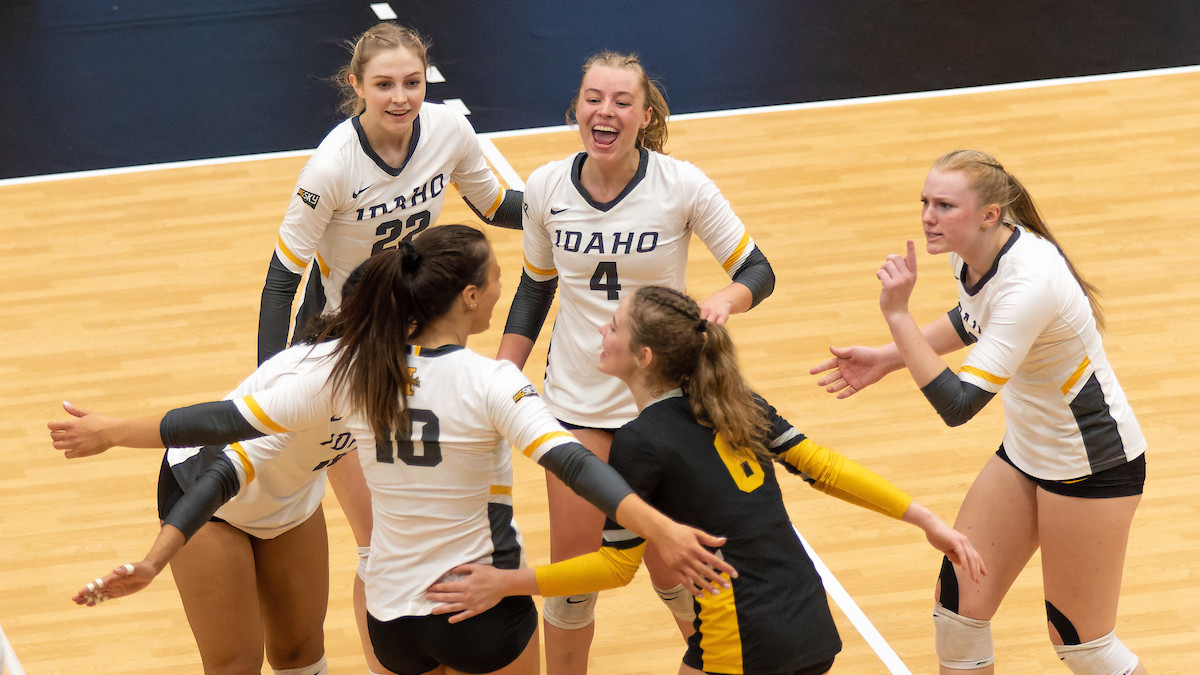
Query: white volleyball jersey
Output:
(601,252)
(349,204)
(434,486)
(1065,414)
(282,477)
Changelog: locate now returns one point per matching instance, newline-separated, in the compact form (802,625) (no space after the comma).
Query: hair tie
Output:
(702,326)
(410,257)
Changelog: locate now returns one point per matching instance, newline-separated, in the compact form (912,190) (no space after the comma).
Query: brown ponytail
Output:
(701,358)
(401,292)
(994,185)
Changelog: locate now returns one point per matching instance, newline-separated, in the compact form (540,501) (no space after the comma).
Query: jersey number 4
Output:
(399,229)
(605,279)
(425,452)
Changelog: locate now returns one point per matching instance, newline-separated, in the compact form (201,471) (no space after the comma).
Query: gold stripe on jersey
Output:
(729,262)
(291,256)
(324,266)
(262,416)
(1076,375)
(501,490)
(245,460)
(532,448)
(721,638)
(537,270)
(495,205)
(984,375)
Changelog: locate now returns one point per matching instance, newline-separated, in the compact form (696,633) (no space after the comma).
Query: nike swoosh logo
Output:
(574,602)
(356,193)
(555,212)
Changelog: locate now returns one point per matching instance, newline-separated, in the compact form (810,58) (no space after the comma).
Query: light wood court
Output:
(133,293)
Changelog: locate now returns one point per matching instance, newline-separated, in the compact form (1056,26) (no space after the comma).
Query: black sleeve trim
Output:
(530,306)
(956,320)
(217,485)
(956,401)
(216,422)
(588,476)
(757,275)
(275,308)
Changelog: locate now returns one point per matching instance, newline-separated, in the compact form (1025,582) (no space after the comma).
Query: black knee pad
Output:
(1066,629)
(948,597)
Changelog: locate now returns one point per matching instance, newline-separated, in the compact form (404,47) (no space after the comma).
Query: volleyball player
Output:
(1070,471)
(702,451)
(600,224)
(430,418)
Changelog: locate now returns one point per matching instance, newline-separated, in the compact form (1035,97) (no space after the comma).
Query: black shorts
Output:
(411,645)
(819,669)
(1125,480)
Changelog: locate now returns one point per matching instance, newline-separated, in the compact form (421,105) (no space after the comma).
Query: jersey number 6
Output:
(406,449)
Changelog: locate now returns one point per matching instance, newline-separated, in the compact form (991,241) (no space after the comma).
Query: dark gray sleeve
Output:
(588,476)
(275,309)
(216,422)
(217,485)
(757,275)
(956,320)
(530,306)
(508,215)
(956,401)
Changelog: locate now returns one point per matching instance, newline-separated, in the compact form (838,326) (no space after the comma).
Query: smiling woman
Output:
(608,221)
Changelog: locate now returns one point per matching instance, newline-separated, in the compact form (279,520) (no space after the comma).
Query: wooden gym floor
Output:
(132,293)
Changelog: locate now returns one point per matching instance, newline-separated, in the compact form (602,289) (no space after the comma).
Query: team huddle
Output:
(657,448)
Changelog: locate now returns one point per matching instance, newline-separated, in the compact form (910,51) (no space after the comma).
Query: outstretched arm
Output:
(86,434)
(133,577)
(952,543)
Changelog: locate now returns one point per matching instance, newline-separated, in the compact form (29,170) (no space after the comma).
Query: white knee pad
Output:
(1102,656)
(364,552)
(318,668)
(570,612)
(962,643)
(679,601)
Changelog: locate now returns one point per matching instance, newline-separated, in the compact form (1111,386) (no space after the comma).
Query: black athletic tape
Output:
(530,306)
(948,595)
(956,401)
(1066,629)
(757,275)
(217,485)
(275,308)
(588,476)
(216,422)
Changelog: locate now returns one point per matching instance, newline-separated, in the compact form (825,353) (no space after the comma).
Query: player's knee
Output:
(679,601)
(1103,656)
(570,612)
(364,552)
(318,668)
(962,643)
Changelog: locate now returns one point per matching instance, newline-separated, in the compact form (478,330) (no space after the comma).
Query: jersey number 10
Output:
(430,450)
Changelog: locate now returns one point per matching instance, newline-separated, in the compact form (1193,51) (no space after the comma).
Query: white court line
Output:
(865,628)
(9,665)
(501,165)
(1035,84)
